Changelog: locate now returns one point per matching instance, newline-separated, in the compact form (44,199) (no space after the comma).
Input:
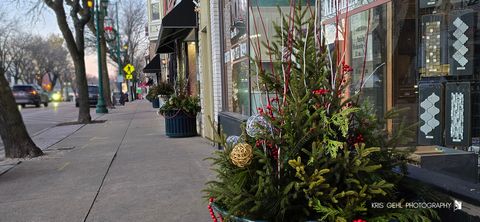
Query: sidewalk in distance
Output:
(125,169)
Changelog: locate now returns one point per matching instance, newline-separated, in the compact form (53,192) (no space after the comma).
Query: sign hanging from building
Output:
(330,8)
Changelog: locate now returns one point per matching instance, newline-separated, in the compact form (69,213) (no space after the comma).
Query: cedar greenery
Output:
(328,157)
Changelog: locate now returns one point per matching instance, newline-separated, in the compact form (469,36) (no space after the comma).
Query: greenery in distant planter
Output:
(162,89)
(165,89)
(188,104)
(152,94)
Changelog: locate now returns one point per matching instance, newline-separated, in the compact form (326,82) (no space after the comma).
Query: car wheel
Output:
(37,104)
(45,104)
(23,105)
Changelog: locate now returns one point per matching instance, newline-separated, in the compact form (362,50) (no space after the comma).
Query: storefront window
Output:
(263,14)
(368,56)
(448,63)
(236,67)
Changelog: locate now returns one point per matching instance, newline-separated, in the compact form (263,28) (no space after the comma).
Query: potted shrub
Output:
(311,152)
(164,91)
(180,112)
(152,96)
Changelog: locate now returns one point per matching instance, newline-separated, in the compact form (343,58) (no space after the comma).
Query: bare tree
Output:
(16,140)
(80,15)
(132,23)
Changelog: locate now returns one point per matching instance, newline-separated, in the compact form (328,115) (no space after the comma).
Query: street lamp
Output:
(99,5)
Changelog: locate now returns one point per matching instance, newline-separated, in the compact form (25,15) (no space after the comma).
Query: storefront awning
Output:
(153,66)
(176,25)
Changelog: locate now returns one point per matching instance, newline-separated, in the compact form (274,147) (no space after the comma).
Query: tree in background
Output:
(80,15)
(16,140)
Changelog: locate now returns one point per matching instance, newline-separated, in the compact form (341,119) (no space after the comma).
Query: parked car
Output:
(92,96)
(30,94)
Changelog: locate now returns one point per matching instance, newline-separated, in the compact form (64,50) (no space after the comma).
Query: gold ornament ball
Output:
(242,155)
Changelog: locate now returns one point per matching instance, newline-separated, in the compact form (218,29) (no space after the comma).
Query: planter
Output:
(163,99)
(156,103)
(179,124)
(224,214)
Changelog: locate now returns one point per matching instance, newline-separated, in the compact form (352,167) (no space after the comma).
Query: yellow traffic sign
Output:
(128,69)
(129,76)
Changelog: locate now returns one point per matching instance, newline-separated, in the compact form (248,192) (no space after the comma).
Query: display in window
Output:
(434,59)
(429,3)
(431,98)
(462,44)
(457,119)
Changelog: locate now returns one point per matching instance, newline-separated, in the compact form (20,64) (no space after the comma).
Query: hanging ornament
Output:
(257,125)
(242,155)
(233,140)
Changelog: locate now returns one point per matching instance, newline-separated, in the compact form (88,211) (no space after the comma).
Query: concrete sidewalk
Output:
(125,169)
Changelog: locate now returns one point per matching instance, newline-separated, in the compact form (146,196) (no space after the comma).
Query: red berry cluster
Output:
(320,91)
(346,68)
(359,220)
(355,139)
(269,144)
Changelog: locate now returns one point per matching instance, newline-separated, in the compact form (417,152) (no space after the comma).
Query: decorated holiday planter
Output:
(180,116)
(310,152)
(158,93)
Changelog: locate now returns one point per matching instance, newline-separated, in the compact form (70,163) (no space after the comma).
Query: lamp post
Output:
(101,108)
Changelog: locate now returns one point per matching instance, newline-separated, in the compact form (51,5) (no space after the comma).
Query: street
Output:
(38,119)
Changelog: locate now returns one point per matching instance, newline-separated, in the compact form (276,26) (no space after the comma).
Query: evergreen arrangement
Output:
(313,152)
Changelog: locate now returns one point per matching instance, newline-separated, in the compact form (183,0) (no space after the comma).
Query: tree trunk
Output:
(105,77)
(82,88)
(16,140)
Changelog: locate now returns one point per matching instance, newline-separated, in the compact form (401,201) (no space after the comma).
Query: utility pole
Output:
(119,59)
(101,108)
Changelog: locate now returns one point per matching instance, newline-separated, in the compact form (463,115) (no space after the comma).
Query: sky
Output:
(46,24)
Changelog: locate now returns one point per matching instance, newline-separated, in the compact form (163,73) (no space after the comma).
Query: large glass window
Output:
(236,67)
(368,55)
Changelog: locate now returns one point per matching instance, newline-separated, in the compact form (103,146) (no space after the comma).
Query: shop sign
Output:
(330,7)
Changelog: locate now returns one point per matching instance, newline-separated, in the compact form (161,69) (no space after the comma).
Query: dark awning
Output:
(176,25)
(153,66)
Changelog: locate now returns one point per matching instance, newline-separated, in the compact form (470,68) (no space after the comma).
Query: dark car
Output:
(92,96)
(30,94)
